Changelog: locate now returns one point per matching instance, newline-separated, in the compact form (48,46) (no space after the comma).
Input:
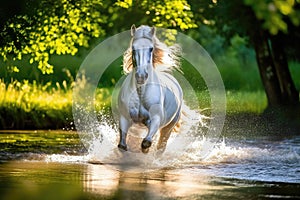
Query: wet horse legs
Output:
(165,133)
(124,127)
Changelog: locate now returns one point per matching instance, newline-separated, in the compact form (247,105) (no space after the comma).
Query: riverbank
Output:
(32,106)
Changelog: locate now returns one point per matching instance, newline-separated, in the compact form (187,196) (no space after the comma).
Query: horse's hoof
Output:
(122,147)
(145,145)
(145,150)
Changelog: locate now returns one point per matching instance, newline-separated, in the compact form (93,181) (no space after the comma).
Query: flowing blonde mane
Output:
(165,58)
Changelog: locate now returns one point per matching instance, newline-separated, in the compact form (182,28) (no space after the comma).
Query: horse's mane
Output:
(165,58)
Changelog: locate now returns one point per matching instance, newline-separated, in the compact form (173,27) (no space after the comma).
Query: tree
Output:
(166,13)
(276,18)
(265,23)
(62,26)
(56,27)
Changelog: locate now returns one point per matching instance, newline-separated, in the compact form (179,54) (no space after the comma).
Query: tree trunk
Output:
(267,69)
(289,93)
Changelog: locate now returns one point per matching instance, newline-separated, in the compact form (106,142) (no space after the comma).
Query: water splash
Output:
(224,154)
(189,147)
(102,137)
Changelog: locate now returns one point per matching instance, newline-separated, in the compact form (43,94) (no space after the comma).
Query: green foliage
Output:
(58,27)
(274,13)
(247,17)
(166,13)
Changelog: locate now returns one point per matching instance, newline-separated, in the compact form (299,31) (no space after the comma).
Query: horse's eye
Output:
(133,53)
(133,58)
(151,49)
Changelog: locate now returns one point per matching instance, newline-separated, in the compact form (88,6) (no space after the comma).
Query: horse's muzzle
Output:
(141,78)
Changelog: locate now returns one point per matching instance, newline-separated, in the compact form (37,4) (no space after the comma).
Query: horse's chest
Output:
(137,109)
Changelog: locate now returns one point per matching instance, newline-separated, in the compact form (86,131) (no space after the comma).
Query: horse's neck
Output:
(140,89)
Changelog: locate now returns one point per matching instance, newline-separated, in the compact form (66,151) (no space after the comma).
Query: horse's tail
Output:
(177,126)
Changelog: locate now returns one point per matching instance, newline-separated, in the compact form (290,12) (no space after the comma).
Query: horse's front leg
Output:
(153,127)
(153,124)
(124,127)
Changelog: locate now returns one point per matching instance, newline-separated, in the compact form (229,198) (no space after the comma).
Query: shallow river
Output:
(55,165)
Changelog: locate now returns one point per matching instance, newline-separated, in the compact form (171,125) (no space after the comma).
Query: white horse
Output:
(149,95)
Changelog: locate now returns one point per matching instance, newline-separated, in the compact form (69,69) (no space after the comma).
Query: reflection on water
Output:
(163,183)
(100,179)
(37,179)
(259,168)
(42,180)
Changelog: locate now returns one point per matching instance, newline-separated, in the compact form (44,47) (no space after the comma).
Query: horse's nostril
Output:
(138,76)
(141,76)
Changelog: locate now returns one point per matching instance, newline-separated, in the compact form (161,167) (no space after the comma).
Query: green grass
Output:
(32,106)
(237,102)
(245,102)
(25,105)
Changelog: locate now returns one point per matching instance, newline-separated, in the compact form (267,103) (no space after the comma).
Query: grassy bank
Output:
(245,102)
(33,106)
(26,105)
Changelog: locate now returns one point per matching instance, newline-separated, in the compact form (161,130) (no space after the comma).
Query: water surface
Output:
(55,165)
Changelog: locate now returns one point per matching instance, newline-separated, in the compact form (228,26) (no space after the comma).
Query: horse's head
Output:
(142,50)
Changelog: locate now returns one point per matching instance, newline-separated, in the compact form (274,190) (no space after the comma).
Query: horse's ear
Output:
(153,31)
(133,30)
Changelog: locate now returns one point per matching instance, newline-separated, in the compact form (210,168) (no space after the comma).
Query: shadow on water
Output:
(54,165)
